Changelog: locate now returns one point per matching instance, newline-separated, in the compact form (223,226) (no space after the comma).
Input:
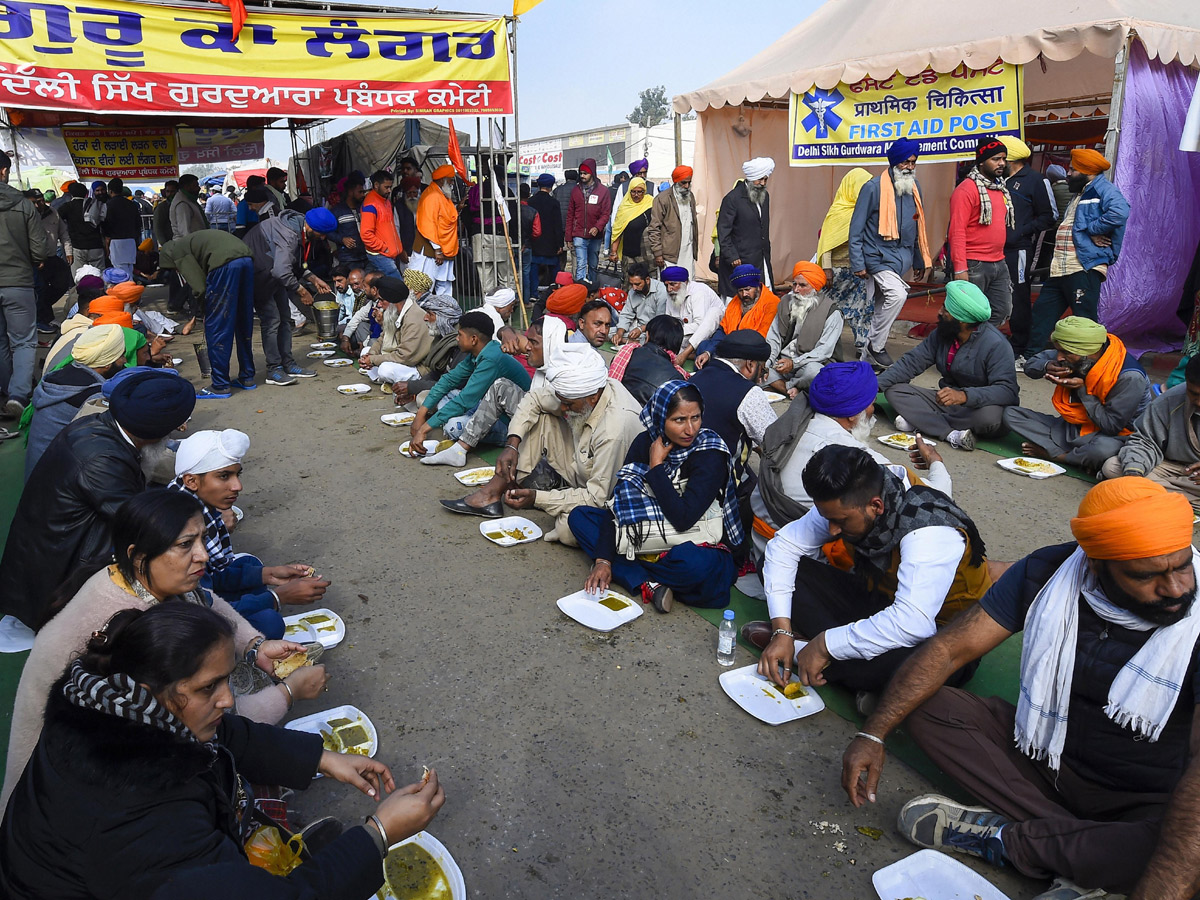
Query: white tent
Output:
(1071,51)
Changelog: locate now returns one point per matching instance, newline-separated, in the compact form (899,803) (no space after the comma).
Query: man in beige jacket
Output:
(601,421)
(671,236)
(399,353)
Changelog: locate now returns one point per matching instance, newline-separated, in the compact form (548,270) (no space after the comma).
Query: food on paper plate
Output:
(289,664)
(794,690)
(900,438)
(615,603)
(411,873)
(515,534)
(1032,465)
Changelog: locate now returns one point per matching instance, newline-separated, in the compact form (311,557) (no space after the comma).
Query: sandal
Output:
(210,394)
(6,435)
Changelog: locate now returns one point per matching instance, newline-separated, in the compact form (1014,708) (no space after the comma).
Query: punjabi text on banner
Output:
(129,153)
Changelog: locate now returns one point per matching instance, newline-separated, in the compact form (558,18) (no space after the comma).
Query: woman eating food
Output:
(674,515)
(142,777)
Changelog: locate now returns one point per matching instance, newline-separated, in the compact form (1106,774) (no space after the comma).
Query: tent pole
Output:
(519,273)
(678,139)
(1112,137)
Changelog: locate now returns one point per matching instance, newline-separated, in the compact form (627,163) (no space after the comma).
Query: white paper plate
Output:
(177,360)
(318,722)
(904,442)
(934,876)
(339,362)
(475,477)
(397,419)
(1011,466)
(587,610)
(430,447)
(320,354)
(320,632)
(323,345)
(519,523)
(763,699)
(237,513)
(353,389)
(775,397)
(435,848)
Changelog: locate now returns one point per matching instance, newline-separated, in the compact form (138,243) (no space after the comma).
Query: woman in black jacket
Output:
(141,777)
(676,473)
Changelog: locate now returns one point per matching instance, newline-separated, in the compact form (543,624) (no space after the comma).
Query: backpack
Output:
(779,443)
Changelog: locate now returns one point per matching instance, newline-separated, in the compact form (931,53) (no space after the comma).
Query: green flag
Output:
(608,150)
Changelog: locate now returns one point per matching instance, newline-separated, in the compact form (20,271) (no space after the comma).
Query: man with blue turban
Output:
(887,238)
(838,409)
(95,464)
(978,379)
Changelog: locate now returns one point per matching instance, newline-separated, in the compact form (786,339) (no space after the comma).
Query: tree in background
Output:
(652,107)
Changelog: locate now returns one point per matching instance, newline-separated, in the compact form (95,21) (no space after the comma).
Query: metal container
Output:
(327,319)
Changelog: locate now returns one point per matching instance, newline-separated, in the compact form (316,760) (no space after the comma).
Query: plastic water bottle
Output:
(726,640)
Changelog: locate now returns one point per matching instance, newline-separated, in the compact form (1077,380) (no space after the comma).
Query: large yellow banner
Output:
(854,124)
(115,56)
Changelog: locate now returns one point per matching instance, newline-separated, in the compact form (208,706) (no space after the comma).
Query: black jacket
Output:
(553,233)
(1032,211)
(84,235)
(66,512)
(744,234)
(109,808)
(122,219)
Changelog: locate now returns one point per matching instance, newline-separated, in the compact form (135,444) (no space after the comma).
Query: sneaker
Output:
(279,377)
(1064,889)
(1019,362)
(939,823)
(46,328)
(659,595)
(13,409)
(879,359)
(901,424)
(301,372)
(245,385)
(214,394)
(962,440)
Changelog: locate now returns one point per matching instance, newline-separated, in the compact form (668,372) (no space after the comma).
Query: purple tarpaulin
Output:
(1162,184)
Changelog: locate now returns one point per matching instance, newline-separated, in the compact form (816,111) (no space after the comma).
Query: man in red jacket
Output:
(981,212)
(587,216)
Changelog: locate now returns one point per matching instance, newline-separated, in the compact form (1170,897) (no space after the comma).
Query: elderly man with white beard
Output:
(553,469)
(887,232)
(399,353)
(696,305)
(671,236)
(744,225)
(840,409)
(804,336)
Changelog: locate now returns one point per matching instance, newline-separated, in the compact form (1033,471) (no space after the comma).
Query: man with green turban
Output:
(1099,391)
(978,381)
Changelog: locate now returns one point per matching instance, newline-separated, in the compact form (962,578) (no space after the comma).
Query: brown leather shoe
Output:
(757,634)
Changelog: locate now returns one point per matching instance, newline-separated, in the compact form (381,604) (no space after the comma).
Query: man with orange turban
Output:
(1091,778)
(1100,390)
(567,301)
(436,244)
(671,236)
(805,333)
(1087,242)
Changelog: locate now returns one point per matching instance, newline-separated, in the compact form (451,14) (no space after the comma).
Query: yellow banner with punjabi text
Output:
(946,114)
(113,56)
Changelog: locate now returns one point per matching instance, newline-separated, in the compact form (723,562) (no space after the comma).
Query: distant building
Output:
(559,152)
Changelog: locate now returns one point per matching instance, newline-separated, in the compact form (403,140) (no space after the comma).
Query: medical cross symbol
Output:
(822,117)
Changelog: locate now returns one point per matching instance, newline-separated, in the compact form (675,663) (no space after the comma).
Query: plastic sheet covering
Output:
(1162,185)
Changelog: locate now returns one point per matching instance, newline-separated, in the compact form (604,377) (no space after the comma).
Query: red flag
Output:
(238,10)
(456,156)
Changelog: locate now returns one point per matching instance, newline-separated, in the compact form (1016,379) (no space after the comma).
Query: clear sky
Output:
(582,62)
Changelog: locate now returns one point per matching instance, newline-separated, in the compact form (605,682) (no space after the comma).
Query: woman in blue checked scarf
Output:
(673,447)
(140,784)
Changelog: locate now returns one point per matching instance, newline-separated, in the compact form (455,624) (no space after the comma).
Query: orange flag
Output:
(456,156)
(520,6)
(238,10)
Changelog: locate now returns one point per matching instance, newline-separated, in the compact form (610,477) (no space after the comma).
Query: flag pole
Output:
(519,273)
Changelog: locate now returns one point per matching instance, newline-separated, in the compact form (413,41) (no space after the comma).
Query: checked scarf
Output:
(633,504)
(985,200)
(905,511)
(217,541)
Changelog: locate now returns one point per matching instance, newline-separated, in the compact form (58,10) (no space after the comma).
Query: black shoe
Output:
(659,595)
(492,511)
(47,328)
(879,359)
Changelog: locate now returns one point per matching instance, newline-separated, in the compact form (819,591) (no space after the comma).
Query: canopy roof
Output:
(826,48)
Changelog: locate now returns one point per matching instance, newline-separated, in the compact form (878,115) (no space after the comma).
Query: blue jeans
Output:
(529,273)
(385,264)
(698,576)
(1079,292)
(229,320)
(18,341)
(254,604)
(587,257)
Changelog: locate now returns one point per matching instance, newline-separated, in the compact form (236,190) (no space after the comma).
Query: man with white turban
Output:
(208,465)
(498,306)
(744,225)
(552,468)
(98,354)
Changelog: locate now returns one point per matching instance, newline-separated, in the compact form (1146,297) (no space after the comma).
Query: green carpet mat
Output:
(997,676)
(1006,447)
(12,480)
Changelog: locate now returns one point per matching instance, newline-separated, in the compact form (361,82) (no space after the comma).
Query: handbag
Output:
(659,537)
